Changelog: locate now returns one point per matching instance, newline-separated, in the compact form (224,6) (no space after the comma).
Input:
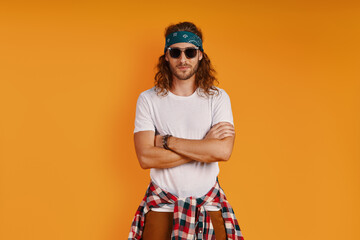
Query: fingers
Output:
(226,130)
(221,130)
(226,133)
(222,124)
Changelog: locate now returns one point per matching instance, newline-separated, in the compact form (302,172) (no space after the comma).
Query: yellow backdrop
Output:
(70,75)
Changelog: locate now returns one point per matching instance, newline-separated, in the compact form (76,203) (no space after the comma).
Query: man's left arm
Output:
(216,146)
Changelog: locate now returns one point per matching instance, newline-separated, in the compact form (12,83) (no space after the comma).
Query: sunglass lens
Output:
(175,52)
(191,52)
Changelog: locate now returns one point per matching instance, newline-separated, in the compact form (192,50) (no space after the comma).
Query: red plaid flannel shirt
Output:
(191,220)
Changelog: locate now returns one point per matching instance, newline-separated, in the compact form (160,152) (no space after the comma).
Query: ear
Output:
(166,57)
(200,55)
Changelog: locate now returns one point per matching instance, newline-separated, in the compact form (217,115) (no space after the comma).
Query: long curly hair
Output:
(205,75)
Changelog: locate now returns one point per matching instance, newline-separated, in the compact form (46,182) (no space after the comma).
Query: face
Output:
(183,68)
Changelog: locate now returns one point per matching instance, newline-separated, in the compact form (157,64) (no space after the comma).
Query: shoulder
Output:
(147,94)
(219,93)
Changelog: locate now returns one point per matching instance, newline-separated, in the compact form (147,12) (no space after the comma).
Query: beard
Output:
(181,75)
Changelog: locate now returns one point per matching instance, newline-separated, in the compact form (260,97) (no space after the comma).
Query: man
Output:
(183,128)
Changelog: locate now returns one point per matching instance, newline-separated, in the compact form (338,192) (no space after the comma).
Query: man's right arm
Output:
(150,156)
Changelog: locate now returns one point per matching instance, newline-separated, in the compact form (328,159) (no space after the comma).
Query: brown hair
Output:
(205,75)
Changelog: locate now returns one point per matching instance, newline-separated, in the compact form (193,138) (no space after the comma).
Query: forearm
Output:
(216,146)
(157,157)
(204,150)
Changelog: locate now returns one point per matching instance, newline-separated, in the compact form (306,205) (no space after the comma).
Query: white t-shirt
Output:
(189,117)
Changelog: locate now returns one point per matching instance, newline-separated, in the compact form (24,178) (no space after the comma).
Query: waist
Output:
(170,208)
(188,180)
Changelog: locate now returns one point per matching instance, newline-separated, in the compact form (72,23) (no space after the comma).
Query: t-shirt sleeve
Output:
(143,119)
(222,108)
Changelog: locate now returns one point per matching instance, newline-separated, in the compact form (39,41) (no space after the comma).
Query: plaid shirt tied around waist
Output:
(191,220)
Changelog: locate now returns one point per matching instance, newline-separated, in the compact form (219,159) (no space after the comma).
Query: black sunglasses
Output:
(190,52)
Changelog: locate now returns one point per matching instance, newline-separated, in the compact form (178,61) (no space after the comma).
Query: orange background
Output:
(70,75)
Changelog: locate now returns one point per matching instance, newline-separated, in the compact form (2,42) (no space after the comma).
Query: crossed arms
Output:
(216,146)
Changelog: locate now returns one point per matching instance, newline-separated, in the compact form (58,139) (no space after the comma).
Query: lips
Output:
(183,68)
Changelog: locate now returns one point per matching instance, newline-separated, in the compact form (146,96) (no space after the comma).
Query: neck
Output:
(183,87)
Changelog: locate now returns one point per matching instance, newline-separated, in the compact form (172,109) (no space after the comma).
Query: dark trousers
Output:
(158,225)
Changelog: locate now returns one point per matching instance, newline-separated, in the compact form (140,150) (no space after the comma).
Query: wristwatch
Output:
(164,140)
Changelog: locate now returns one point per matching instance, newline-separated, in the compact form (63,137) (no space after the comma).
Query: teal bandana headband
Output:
(183,36)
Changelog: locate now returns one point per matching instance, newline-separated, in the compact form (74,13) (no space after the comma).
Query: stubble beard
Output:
(181,76)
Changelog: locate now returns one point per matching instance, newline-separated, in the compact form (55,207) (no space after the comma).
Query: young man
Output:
(183,128)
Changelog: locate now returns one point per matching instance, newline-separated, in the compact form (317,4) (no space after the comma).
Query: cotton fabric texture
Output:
(191,221)
(189,117)
(183,36)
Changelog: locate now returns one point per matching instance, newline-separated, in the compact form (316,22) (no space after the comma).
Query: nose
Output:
(182,56)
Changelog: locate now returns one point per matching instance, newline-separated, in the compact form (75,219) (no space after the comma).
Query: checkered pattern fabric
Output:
(191,220)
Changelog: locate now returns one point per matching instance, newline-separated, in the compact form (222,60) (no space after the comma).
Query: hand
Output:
(220,131)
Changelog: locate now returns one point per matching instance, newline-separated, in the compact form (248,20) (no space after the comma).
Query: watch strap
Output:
(165,140)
